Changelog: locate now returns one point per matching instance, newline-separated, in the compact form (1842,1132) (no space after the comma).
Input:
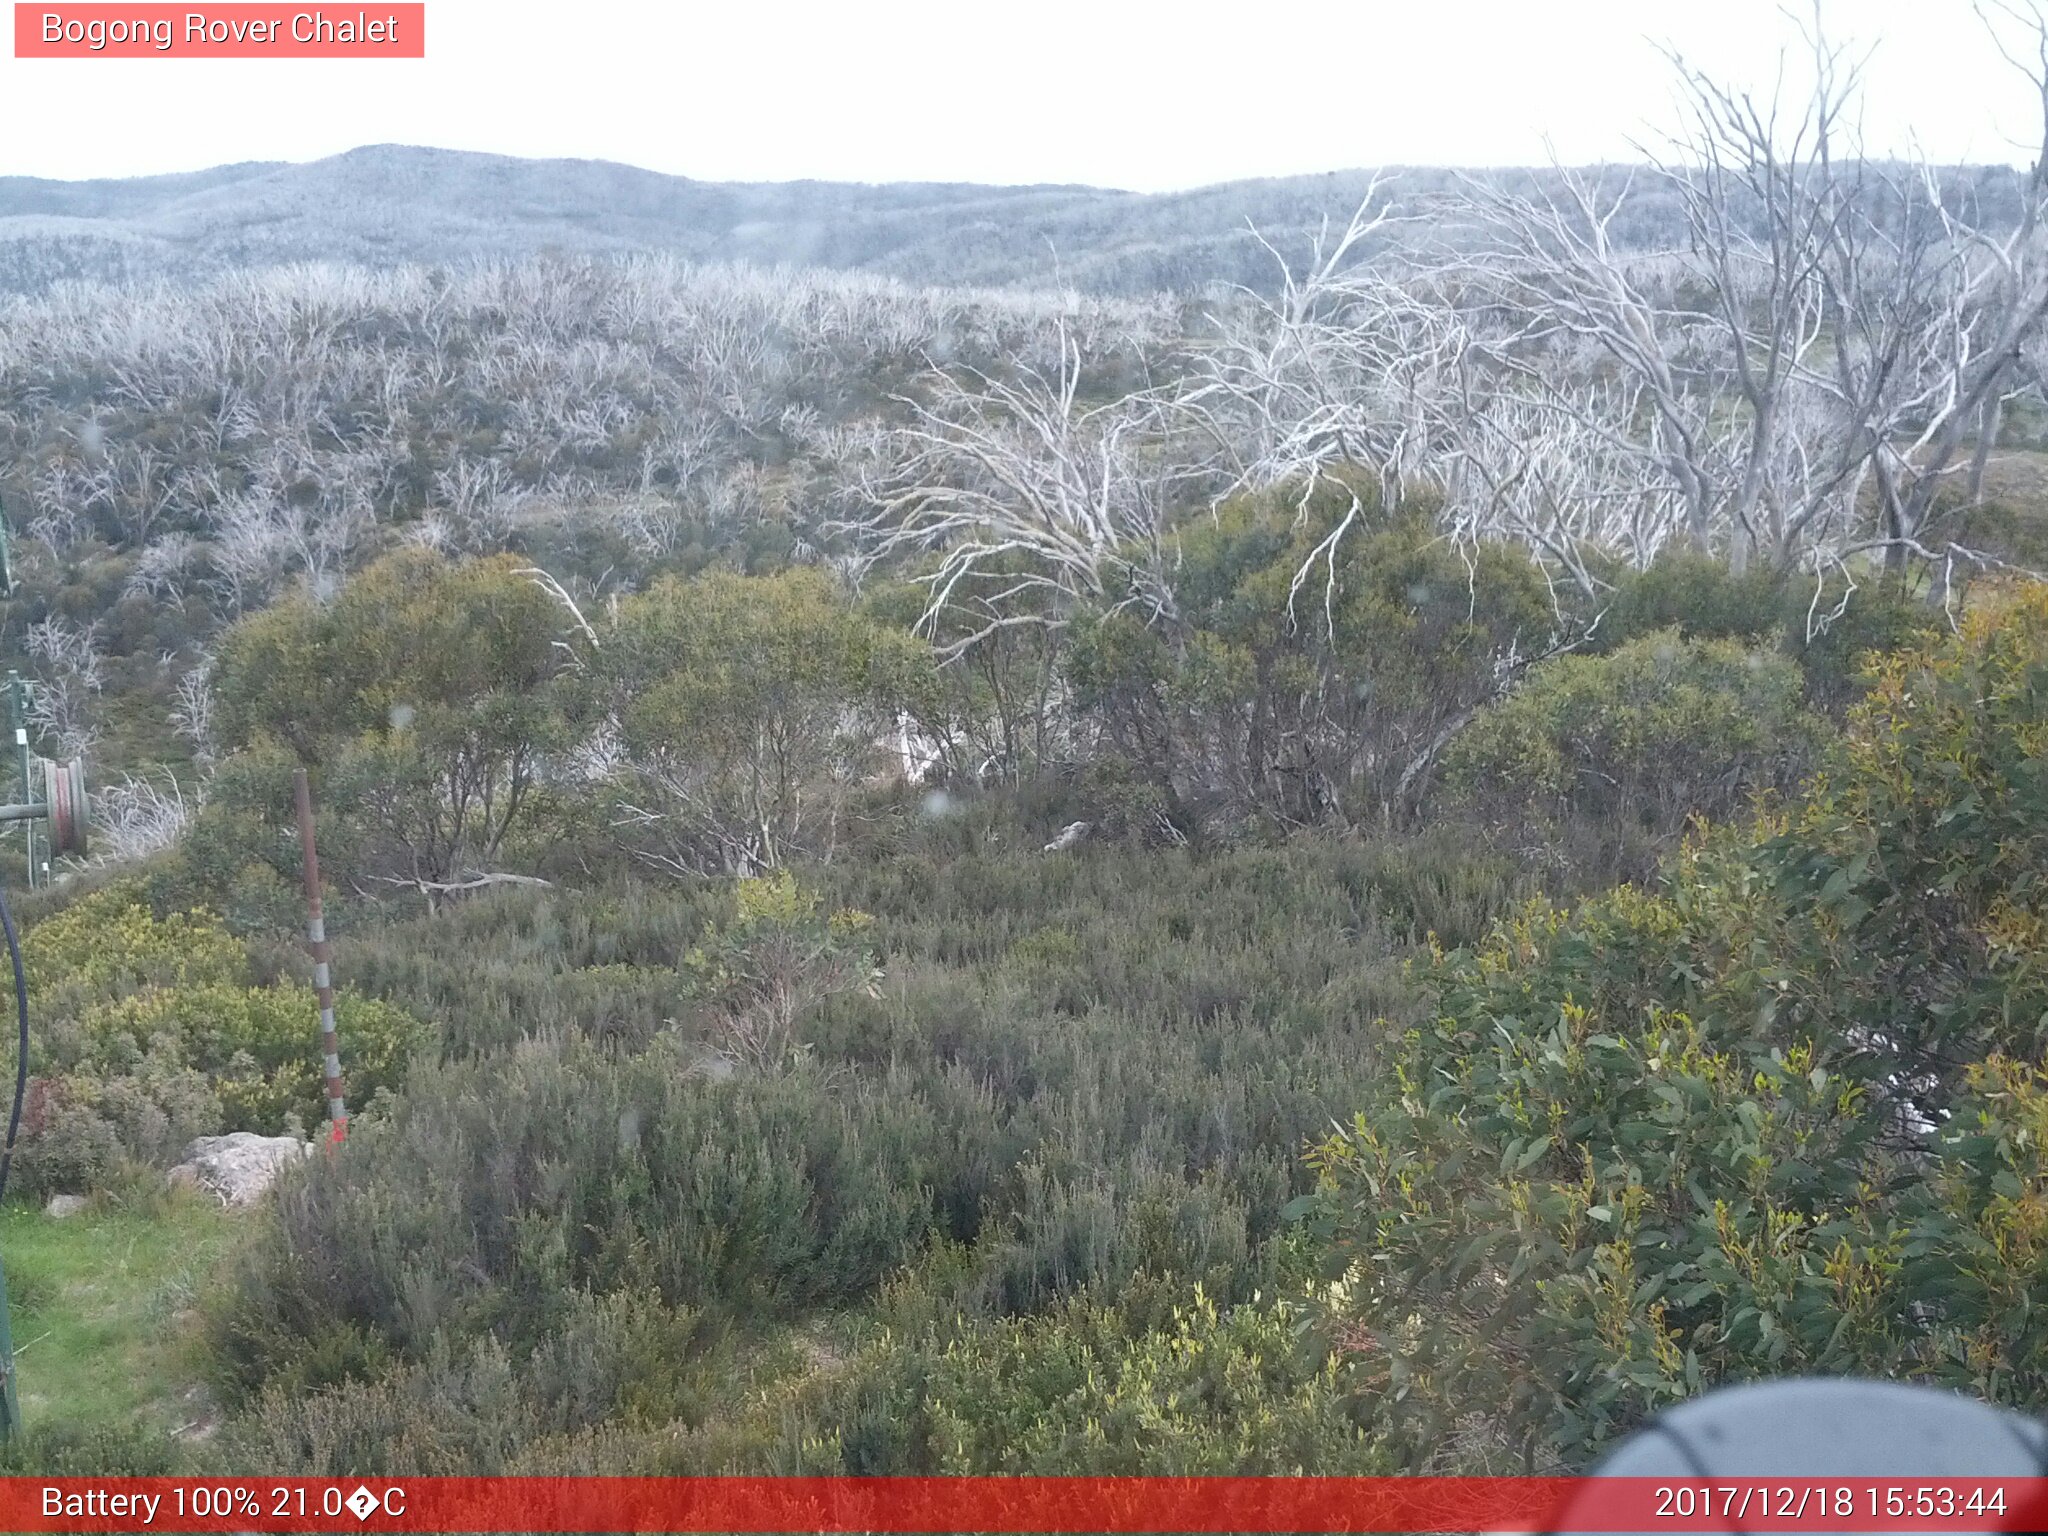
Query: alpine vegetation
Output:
(1384,857)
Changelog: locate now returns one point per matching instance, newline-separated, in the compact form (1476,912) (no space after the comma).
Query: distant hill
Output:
(391,203)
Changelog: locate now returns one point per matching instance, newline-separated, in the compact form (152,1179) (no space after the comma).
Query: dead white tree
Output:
(193,716)
(138,817)
(1346,365)
(68,681)
(249,551)
(1814,377)
(1020,500)
(1828,355)
(1555,476)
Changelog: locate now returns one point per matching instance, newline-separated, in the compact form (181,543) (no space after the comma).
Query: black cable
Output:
(21,1064)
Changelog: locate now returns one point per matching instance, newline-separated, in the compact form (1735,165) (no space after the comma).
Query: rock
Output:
(238,1167)
(1070,834)
(61,1206)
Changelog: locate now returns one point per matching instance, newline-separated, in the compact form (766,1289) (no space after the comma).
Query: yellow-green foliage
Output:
(148,1033)
(109,945)
(1081,1392)
(1661,729)
(780,957)
(1915,878)
(259,1046)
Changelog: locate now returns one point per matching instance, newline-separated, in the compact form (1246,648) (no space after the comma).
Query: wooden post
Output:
(323,980)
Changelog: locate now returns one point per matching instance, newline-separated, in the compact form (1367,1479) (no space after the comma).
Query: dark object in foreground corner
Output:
(1829,1428)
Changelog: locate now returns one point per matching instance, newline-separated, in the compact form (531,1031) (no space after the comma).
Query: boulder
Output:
(61,1206)
(240,1166)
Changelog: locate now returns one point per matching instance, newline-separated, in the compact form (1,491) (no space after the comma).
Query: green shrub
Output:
(1648,736)
(1911,881)
(600,963)
(110,945)
(100,1450)
(259,1046)
(1786,1117)
(748,708)
(779,958)
(1876,621)
(1827,631)
(1700,597)
(83,1126)
(1569,1227)
(476,1408)
(67,1145)
(492,1192)
(234,855)
(422,696)
(148,1035)
(1311,701)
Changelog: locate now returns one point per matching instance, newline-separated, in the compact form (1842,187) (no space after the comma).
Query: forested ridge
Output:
(1388,869)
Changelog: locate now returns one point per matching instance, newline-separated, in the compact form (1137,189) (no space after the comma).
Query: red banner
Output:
(1022,1504)
(224,31)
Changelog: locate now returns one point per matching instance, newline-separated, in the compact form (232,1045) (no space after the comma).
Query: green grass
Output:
(106,1337)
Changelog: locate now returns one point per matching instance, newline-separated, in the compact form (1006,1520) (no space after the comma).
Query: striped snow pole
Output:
(323,980)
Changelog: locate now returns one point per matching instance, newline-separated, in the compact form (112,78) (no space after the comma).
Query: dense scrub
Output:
(661,1169)
(467,723)
(700,1174)
(1084,1076)
(1027,1207)
(1615,753)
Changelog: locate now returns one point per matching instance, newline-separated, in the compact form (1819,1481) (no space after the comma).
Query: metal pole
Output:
(17,713)
(10,1403)
(316,943)
(10,1406)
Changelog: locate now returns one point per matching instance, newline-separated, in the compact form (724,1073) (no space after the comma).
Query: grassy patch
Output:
(105,1336)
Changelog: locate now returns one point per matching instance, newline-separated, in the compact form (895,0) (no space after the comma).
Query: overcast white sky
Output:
(1129,93)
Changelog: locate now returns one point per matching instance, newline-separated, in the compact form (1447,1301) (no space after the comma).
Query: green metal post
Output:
(17,720)
(10,1406)
(17,708)
(17,702)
